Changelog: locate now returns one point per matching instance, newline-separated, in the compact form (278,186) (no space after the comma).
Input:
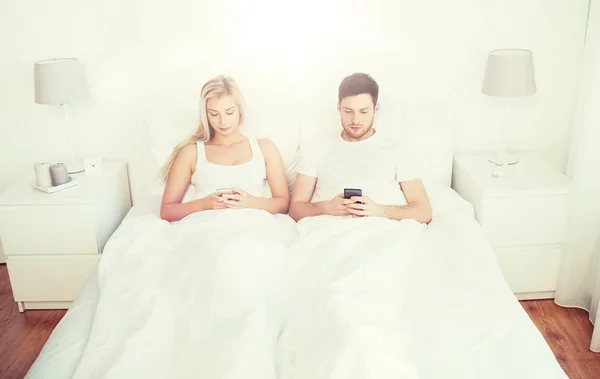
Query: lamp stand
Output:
(73,167)
(501,158)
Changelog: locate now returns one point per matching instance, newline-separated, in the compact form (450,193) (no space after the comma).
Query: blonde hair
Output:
(215,88)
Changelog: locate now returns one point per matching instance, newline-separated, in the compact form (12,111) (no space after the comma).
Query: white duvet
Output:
(372,298)
(195,299)
(352,290)
(345,313)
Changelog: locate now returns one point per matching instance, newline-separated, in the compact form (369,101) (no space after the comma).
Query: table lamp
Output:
(509,73)
(61,82)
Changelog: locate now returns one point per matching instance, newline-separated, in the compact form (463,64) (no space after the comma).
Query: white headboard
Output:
(293,118)
(425,131)
(168,125)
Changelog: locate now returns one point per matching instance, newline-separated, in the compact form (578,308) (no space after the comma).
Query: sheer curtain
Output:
(579,276)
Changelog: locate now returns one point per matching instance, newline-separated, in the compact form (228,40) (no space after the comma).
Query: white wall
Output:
(428,56)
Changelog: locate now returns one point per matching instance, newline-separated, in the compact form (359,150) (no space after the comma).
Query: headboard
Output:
(293,118)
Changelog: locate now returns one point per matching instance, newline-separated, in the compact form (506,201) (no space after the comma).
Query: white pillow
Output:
(164,130)
(156,184)
(285,134)
(168,128)
(427,133)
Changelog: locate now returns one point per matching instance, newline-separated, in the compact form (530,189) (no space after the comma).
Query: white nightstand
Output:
(53,241)
(523,214)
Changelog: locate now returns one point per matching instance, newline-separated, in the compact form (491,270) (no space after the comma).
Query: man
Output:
(359,158)
(350,282)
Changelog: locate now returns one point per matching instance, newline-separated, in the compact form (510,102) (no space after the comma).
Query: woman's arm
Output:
(280,201)
(178,180)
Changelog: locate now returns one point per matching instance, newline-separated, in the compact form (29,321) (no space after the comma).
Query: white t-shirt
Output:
(375,165)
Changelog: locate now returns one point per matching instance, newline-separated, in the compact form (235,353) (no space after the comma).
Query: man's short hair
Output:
(357,84)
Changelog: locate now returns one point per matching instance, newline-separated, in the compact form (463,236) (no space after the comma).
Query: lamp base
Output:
(500,169)
(512,159)
(75,167)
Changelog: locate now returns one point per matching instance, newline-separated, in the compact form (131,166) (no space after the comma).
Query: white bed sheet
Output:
(61,353)
(471,326)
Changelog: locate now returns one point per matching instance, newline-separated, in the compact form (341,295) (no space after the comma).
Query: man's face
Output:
(357,113)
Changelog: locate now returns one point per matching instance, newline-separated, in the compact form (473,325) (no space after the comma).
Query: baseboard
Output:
(2,256)
(535,295)
(27,305)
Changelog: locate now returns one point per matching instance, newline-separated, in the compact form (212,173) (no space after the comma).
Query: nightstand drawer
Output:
(48,230)
(525,220)
(55,278)
(530,269)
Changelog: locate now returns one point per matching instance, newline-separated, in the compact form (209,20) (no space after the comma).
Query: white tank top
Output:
(250,176)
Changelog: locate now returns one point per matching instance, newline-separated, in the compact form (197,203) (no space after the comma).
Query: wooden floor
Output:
(22,335)
(568,331)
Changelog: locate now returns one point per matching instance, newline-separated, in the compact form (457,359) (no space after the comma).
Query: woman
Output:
(202,296)
(227,168)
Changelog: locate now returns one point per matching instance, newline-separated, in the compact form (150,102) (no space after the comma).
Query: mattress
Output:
(470,324)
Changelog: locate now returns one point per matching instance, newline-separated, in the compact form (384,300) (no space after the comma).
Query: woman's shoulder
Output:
(188,154)
(190,150)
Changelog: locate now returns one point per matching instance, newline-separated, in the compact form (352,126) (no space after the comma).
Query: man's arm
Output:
(302,207)
(418,207)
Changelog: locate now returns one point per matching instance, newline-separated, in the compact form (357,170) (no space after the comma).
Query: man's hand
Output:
(337,206)
(367,208)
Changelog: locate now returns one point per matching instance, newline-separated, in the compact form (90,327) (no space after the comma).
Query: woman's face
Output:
(223,114)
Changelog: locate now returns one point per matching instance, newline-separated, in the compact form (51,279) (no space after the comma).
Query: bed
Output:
(470,326)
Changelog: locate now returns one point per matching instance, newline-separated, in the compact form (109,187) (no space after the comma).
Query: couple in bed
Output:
(229,170)
(218,156)
(228,286)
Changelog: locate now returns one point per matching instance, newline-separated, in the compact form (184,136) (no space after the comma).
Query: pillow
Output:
(426,133)
(286,136)
(168,128)
(156,185)
(164,130)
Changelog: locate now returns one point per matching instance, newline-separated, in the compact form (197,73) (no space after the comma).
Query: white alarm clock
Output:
(93,166)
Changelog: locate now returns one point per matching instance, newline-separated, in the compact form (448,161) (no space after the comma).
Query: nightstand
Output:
(53,241)
(523,214)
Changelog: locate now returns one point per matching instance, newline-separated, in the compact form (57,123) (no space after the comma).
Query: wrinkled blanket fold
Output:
(199,298)
(350,295)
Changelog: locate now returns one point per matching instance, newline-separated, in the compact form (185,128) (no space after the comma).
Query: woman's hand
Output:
(239,199)
(213,201)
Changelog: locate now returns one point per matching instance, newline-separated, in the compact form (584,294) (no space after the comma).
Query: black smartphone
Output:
(349,192)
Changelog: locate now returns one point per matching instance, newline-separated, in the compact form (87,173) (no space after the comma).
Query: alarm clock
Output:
(93,166)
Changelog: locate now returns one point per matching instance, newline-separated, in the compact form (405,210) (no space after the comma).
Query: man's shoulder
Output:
(394,142)
(386,138)
(319,146)
(312,153)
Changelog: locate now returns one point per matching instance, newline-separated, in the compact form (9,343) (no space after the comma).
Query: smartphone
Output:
(349,192)
(227,190)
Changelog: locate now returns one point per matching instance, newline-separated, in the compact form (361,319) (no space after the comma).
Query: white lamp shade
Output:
(509,73)
(59,81)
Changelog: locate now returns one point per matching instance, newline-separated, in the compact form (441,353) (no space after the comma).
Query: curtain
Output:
(578,282)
